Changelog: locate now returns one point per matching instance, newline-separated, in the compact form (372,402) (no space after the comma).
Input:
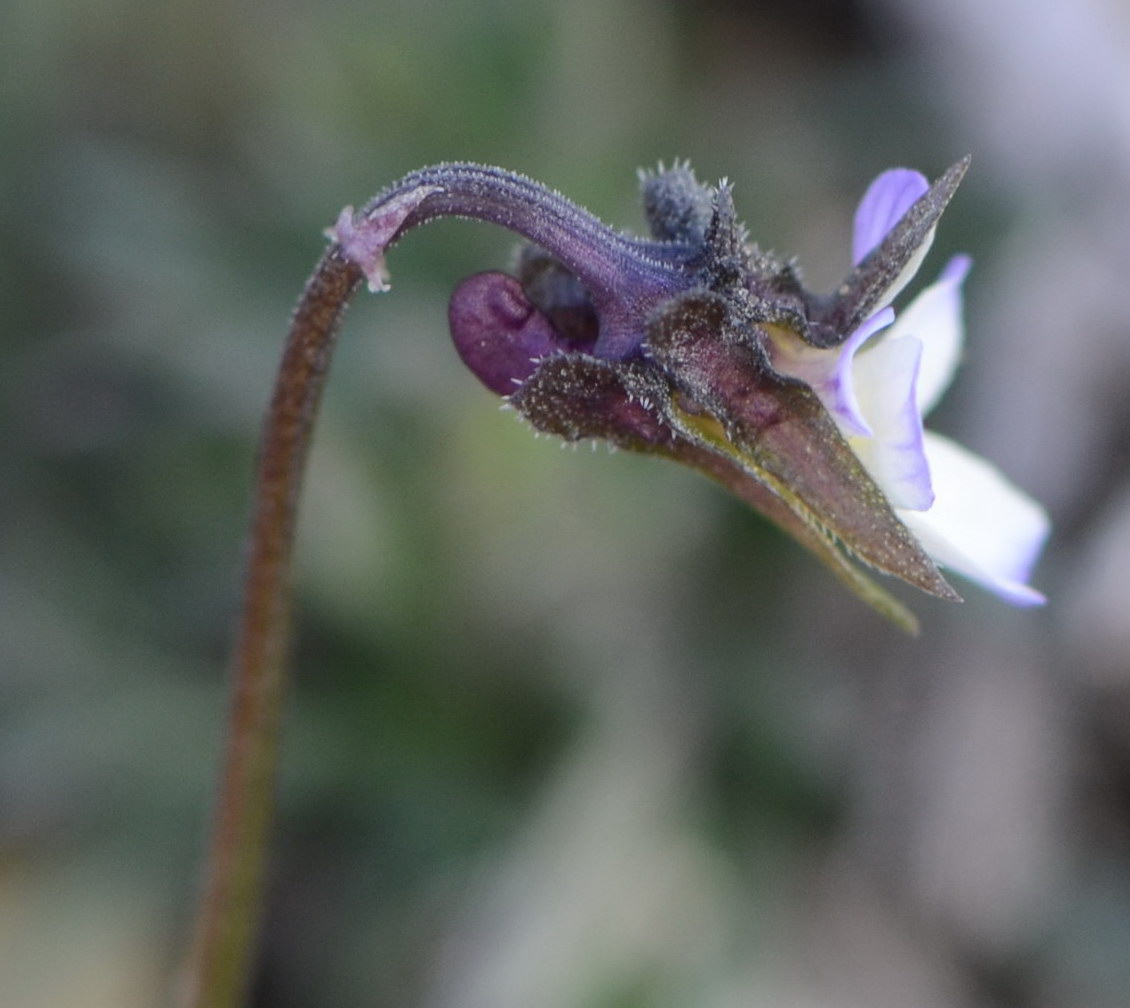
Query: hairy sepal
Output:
(778,430)
(632,406)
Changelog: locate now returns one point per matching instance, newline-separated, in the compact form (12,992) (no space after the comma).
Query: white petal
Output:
(885,378)
(980,525)
(934,318)
(828,371)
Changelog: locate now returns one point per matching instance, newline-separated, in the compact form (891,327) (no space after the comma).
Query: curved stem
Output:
(623,276)
(600,256)
(219,967)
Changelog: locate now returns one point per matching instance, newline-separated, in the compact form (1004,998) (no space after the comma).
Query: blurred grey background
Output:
(567,729)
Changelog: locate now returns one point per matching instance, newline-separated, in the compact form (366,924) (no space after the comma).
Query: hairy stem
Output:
(219,966)
(622,275)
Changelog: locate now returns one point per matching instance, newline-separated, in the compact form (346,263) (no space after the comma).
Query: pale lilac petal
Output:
(886,200)
(934,319)
(828,371)
(981,525)
(885,379)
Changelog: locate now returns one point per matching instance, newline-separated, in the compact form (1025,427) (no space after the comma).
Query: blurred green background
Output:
(567,728)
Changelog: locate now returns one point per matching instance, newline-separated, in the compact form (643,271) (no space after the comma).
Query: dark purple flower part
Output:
(696,345)
(498,333)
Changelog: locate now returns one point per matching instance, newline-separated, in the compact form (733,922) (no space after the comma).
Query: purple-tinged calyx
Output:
(673,344)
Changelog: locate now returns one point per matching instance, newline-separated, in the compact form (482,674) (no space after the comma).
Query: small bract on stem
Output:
(691,344)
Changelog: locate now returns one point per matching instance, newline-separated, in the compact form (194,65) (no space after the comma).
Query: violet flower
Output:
(698,346)
(879,384)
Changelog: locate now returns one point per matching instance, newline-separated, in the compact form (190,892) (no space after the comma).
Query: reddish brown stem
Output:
(227,922)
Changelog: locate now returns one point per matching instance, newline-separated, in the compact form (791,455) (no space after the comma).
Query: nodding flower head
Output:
(695,345)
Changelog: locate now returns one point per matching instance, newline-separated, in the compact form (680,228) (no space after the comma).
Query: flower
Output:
(880,383)
(697,346)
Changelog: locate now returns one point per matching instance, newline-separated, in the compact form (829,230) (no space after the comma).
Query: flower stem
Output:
(218,969)
(623,276)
